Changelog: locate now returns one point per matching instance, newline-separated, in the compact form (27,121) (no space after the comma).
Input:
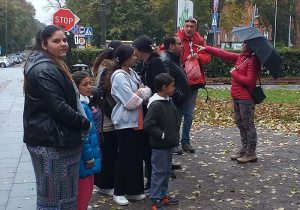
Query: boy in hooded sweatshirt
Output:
(162,125)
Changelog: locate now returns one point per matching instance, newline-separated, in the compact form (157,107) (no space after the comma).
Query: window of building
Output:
(225,37)
(233,38)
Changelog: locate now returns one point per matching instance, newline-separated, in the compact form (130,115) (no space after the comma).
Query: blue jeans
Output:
(161,161)
(187,112)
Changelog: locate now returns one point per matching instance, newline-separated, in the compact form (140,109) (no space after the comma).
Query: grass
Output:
(279,111)
(282,96)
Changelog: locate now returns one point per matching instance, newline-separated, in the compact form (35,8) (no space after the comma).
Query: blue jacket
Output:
(90,148)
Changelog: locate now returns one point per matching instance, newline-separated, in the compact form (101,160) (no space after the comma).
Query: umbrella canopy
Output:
(262,47)
(246,32)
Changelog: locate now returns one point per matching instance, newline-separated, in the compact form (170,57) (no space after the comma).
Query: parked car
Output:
(4,62)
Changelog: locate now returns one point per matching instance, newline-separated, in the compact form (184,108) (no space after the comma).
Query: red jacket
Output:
(204,58)
(247,74)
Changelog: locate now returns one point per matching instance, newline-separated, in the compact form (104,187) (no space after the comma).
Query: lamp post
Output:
(275,22)
(103,23)
(6,28)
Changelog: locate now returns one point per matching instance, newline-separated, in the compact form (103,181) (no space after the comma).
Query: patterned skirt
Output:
(56,172)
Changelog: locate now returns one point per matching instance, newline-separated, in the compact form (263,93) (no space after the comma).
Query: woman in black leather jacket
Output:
(54,121)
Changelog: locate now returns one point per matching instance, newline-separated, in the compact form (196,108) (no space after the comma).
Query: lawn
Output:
(280,110)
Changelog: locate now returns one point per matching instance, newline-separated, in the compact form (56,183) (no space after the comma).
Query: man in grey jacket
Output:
(171,60)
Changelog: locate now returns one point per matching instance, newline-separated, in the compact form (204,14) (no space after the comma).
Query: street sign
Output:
(214,21)
(88,31)
(217,31)
(216,3)
(0,50)
(65,19)
(76,29)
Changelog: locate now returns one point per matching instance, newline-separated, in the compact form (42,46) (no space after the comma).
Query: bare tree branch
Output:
(56,4)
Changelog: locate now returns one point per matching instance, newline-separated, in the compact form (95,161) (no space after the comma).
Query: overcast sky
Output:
(41,13)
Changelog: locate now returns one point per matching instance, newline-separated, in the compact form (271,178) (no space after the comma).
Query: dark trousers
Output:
(109,151)
(147,159)
(129,177)
(244,119)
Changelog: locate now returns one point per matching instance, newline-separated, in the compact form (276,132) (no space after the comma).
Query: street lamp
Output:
(103,23)
(6,28)
(275,22)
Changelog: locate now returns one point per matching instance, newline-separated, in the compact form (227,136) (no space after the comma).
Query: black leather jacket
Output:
(173,67)
(50,115)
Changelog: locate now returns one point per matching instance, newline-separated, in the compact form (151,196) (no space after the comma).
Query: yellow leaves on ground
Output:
(275,116)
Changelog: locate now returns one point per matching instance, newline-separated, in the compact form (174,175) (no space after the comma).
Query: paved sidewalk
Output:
(17,181)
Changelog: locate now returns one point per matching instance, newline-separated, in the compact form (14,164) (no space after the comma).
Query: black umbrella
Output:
(262,47)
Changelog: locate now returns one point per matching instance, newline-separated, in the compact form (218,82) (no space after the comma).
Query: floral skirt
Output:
(56,172)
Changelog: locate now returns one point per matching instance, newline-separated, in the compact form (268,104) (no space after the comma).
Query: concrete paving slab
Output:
(25,166)
(9,154)
(6,184)
(4,197)
(11,147)
(25,177)
(24,203)
(9,163)
(25,157)
(7,172)
(23,189)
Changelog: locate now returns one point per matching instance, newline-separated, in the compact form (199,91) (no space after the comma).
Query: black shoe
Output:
(188,147)
(177,151)
(176,167)
(173,175)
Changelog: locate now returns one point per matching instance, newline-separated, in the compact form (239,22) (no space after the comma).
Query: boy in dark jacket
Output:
(161,123)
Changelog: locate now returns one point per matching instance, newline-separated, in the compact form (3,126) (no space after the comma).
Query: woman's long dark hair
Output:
(43,36)
(122,54)
(107,54)
(145,44)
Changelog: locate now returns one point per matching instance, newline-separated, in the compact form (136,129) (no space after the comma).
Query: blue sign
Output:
(214,21)
(215,31)
(88,31)
(0,50)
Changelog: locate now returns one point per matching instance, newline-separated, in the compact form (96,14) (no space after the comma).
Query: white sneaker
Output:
(136,197)
(89,208)
(106,191)
(121,200)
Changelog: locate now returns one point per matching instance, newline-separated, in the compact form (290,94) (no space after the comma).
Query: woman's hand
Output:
(200,48)
(138,93)
(90,165)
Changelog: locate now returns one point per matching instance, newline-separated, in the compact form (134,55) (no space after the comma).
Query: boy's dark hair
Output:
(161,80)
(169,40)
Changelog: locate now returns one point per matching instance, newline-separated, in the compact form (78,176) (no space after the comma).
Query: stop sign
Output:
(65,19)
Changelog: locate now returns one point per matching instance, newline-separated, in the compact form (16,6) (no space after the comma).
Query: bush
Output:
(87,55)
(216,68)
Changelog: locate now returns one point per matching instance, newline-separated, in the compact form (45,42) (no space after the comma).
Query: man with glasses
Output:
(190,39)
(171,60)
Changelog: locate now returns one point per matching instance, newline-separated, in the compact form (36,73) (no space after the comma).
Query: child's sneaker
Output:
(157,205)
(167,200)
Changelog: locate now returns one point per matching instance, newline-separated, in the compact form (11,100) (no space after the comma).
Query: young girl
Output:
(90,153)
(127,119)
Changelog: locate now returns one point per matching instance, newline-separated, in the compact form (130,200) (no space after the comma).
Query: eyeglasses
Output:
(192,20)
(180,43)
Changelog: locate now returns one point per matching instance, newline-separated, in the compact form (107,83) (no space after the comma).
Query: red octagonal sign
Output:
(65,19)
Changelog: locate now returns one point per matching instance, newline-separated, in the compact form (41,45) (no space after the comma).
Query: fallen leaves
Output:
(276,116)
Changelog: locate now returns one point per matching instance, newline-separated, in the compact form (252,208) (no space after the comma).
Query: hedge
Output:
(216,68)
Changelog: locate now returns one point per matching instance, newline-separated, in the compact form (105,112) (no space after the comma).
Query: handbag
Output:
(257,94)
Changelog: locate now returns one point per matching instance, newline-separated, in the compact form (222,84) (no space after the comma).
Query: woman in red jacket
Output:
(244,76)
